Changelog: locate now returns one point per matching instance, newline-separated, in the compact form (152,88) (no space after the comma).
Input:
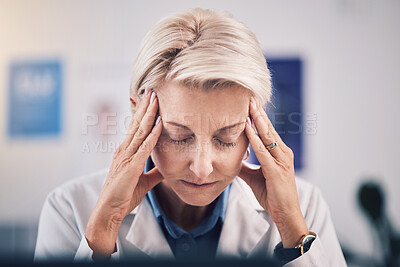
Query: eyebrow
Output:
(223,129)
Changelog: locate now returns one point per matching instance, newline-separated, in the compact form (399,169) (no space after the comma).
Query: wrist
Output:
(101,236)
(102,243)
(292,230)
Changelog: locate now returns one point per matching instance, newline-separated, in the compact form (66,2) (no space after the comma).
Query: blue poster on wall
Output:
(34,106)
(285,112)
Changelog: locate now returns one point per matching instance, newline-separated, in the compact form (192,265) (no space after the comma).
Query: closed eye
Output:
(224,144)
(186,140)
(180,142)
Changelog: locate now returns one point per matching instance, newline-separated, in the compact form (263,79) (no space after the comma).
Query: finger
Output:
(262,154)
(147,146)
(145,127)
(265,130)
(137,118)
(282,144)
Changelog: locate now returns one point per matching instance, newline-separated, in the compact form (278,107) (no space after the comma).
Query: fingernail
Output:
(153,95)
(248,121)
(158,119)
(253,101)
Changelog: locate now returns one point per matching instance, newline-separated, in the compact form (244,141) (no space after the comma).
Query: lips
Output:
(195,185)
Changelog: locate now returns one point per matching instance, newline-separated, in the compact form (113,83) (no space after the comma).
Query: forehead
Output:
(195,107)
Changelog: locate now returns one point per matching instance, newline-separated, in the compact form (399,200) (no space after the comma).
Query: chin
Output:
(197,198)
(198,201)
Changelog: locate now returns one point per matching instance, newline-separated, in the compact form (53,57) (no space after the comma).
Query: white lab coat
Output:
(247,232)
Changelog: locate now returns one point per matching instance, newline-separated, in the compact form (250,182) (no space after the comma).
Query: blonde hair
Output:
(202,49)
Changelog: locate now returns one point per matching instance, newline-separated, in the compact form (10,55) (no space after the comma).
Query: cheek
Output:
(168,158)
(230,163)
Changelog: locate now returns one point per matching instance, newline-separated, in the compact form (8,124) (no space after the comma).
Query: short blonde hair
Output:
(202,49)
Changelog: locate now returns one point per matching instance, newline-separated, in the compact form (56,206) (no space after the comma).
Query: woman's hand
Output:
(274,183)
(126,184)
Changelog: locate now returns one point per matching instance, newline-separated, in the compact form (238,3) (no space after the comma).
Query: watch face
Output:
(307,242)
(308,238)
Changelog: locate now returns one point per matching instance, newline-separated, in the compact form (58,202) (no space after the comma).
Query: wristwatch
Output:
(286,255)
(305,242)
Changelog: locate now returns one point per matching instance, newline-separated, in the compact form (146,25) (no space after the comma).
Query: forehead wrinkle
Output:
(179,125)
(229,127)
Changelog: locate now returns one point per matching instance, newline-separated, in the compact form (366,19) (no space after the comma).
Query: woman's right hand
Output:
(126,184)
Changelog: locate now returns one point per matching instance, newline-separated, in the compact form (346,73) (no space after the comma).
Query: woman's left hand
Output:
(274,183)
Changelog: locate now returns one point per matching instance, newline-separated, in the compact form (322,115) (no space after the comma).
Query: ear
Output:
(134,100)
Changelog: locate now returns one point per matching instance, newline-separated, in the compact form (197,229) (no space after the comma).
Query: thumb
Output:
(247,173)
(150,179)
(253,177)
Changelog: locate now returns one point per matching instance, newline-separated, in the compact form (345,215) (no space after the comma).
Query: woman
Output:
(178,186)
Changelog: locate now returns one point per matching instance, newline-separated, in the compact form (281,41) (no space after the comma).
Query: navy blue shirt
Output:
(201,241)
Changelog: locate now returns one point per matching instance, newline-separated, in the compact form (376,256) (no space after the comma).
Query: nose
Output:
(201,163)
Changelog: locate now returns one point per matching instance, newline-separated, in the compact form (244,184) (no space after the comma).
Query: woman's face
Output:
(202,141)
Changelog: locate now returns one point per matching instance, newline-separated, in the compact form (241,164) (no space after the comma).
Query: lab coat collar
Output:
(245,224)
(146,234)
(242,230)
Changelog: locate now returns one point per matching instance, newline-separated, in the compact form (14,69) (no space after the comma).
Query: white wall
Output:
(351,54)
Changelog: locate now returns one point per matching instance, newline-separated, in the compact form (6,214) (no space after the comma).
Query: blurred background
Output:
(64,77)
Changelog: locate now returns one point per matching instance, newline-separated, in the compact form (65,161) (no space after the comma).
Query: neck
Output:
(184,215)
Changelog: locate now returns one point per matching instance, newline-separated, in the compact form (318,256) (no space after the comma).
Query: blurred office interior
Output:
(64,77)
